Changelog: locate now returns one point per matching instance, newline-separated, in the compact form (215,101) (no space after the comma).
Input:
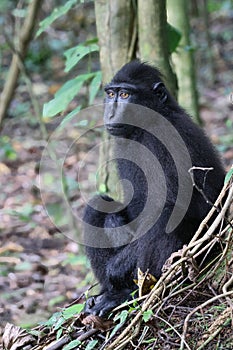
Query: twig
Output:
(210,214)
(128,339)
(58,343)
(204,181)
(66,339)
(28,83)
(224,289)
(196,243)
(87,334)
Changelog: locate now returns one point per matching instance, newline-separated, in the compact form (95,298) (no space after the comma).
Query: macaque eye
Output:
(110,94)
(124,95)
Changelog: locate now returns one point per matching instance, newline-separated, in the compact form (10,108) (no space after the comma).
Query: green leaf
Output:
(149,341)
(91,344)
(57,12)
(174,36)
(59,333)
(75,54)
(147,315)
(94,86)
(53,319)
(72,344)
(228,176)
(59,323)
(34,332)
(69,117)
(122,316)
(65,95)
(73,310)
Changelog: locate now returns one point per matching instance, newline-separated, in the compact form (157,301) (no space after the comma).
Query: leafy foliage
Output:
(72,310)
(75,54)
(57,12)
(73,344)
(147,315)
(65,95)
(122,317)
(91,344)
(72,87)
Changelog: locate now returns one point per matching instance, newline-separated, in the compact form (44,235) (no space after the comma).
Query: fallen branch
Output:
(57,344)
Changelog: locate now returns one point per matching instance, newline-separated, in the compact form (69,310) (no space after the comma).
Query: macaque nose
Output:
(112,110)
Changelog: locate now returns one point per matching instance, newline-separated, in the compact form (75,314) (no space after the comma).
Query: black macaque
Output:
(124,241)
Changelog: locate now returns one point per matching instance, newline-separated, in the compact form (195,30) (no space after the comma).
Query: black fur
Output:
(116,267)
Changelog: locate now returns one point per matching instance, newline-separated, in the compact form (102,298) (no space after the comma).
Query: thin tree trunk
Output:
(117,34)
(116,30)
(183,58)
(153,43)
(24,39)
(209,52)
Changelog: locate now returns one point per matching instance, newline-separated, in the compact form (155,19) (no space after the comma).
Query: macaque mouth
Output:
(114,128)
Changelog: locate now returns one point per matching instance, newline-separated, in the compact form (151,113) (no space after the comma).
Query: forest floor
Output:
(42,270)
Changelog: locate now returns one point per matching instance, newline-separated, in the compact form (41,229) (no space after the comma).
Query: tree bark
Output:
(117,33)
(209,46)
(183,58)
(116,30)
(153,42)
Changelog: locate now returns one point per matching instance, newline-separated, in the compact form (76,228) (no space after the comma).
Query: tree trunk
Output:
(183,58)
(117,33)
(153,42)
(209,46)
(116,30)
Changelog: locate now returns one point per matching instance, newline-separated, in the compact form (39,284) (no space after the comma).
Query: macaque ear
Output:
(160,90)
